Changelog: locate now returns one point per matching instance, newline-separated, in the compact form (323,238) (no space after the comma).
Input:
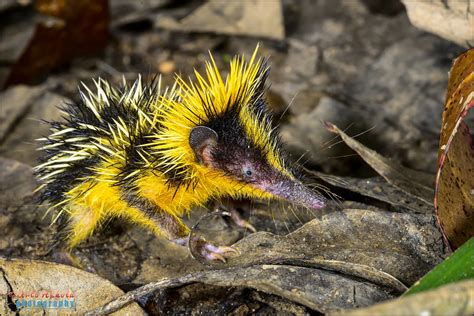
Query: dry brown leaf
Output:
(377,188)
(415,183)
(320,289)
(343,259)
(69,28)
(454,199)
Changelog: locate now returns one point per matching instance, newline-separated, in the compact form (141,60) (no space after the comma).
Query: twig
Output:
(131,296)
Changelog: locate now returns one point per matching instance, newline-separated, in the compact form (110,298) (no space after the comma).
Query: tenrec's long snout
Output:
(295,192)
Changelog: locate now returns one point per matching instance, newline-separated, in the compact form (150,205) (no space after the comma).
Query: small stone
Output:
(167,67)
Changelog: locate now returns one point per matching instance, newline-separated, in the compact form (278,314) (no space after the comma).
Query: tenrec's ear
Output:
(201,140)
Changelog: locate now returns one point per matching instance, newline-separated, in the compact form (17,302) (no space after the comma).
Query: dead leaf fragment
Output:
(454,199)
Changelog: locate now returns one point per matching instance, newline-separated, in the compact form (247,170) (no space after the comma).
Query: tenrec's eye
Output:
(247,172)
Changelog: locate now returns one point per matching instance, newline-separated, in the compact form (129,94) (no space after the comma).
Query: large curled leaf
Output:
(454,199)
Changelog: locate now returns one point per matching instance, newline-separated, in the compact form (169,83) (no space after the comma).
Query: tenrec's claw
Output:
(241,222)
(214,256)
(212,252)
(246,224)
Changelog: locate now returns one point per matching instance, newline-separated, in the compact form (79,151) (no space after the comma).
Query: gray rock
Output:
(393,75)
(20,215)
(15,103)
(26,108)
(306,134)
(402,92)
(450,19)
(17,184)
(89,291)
(298,69)
(258,18)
